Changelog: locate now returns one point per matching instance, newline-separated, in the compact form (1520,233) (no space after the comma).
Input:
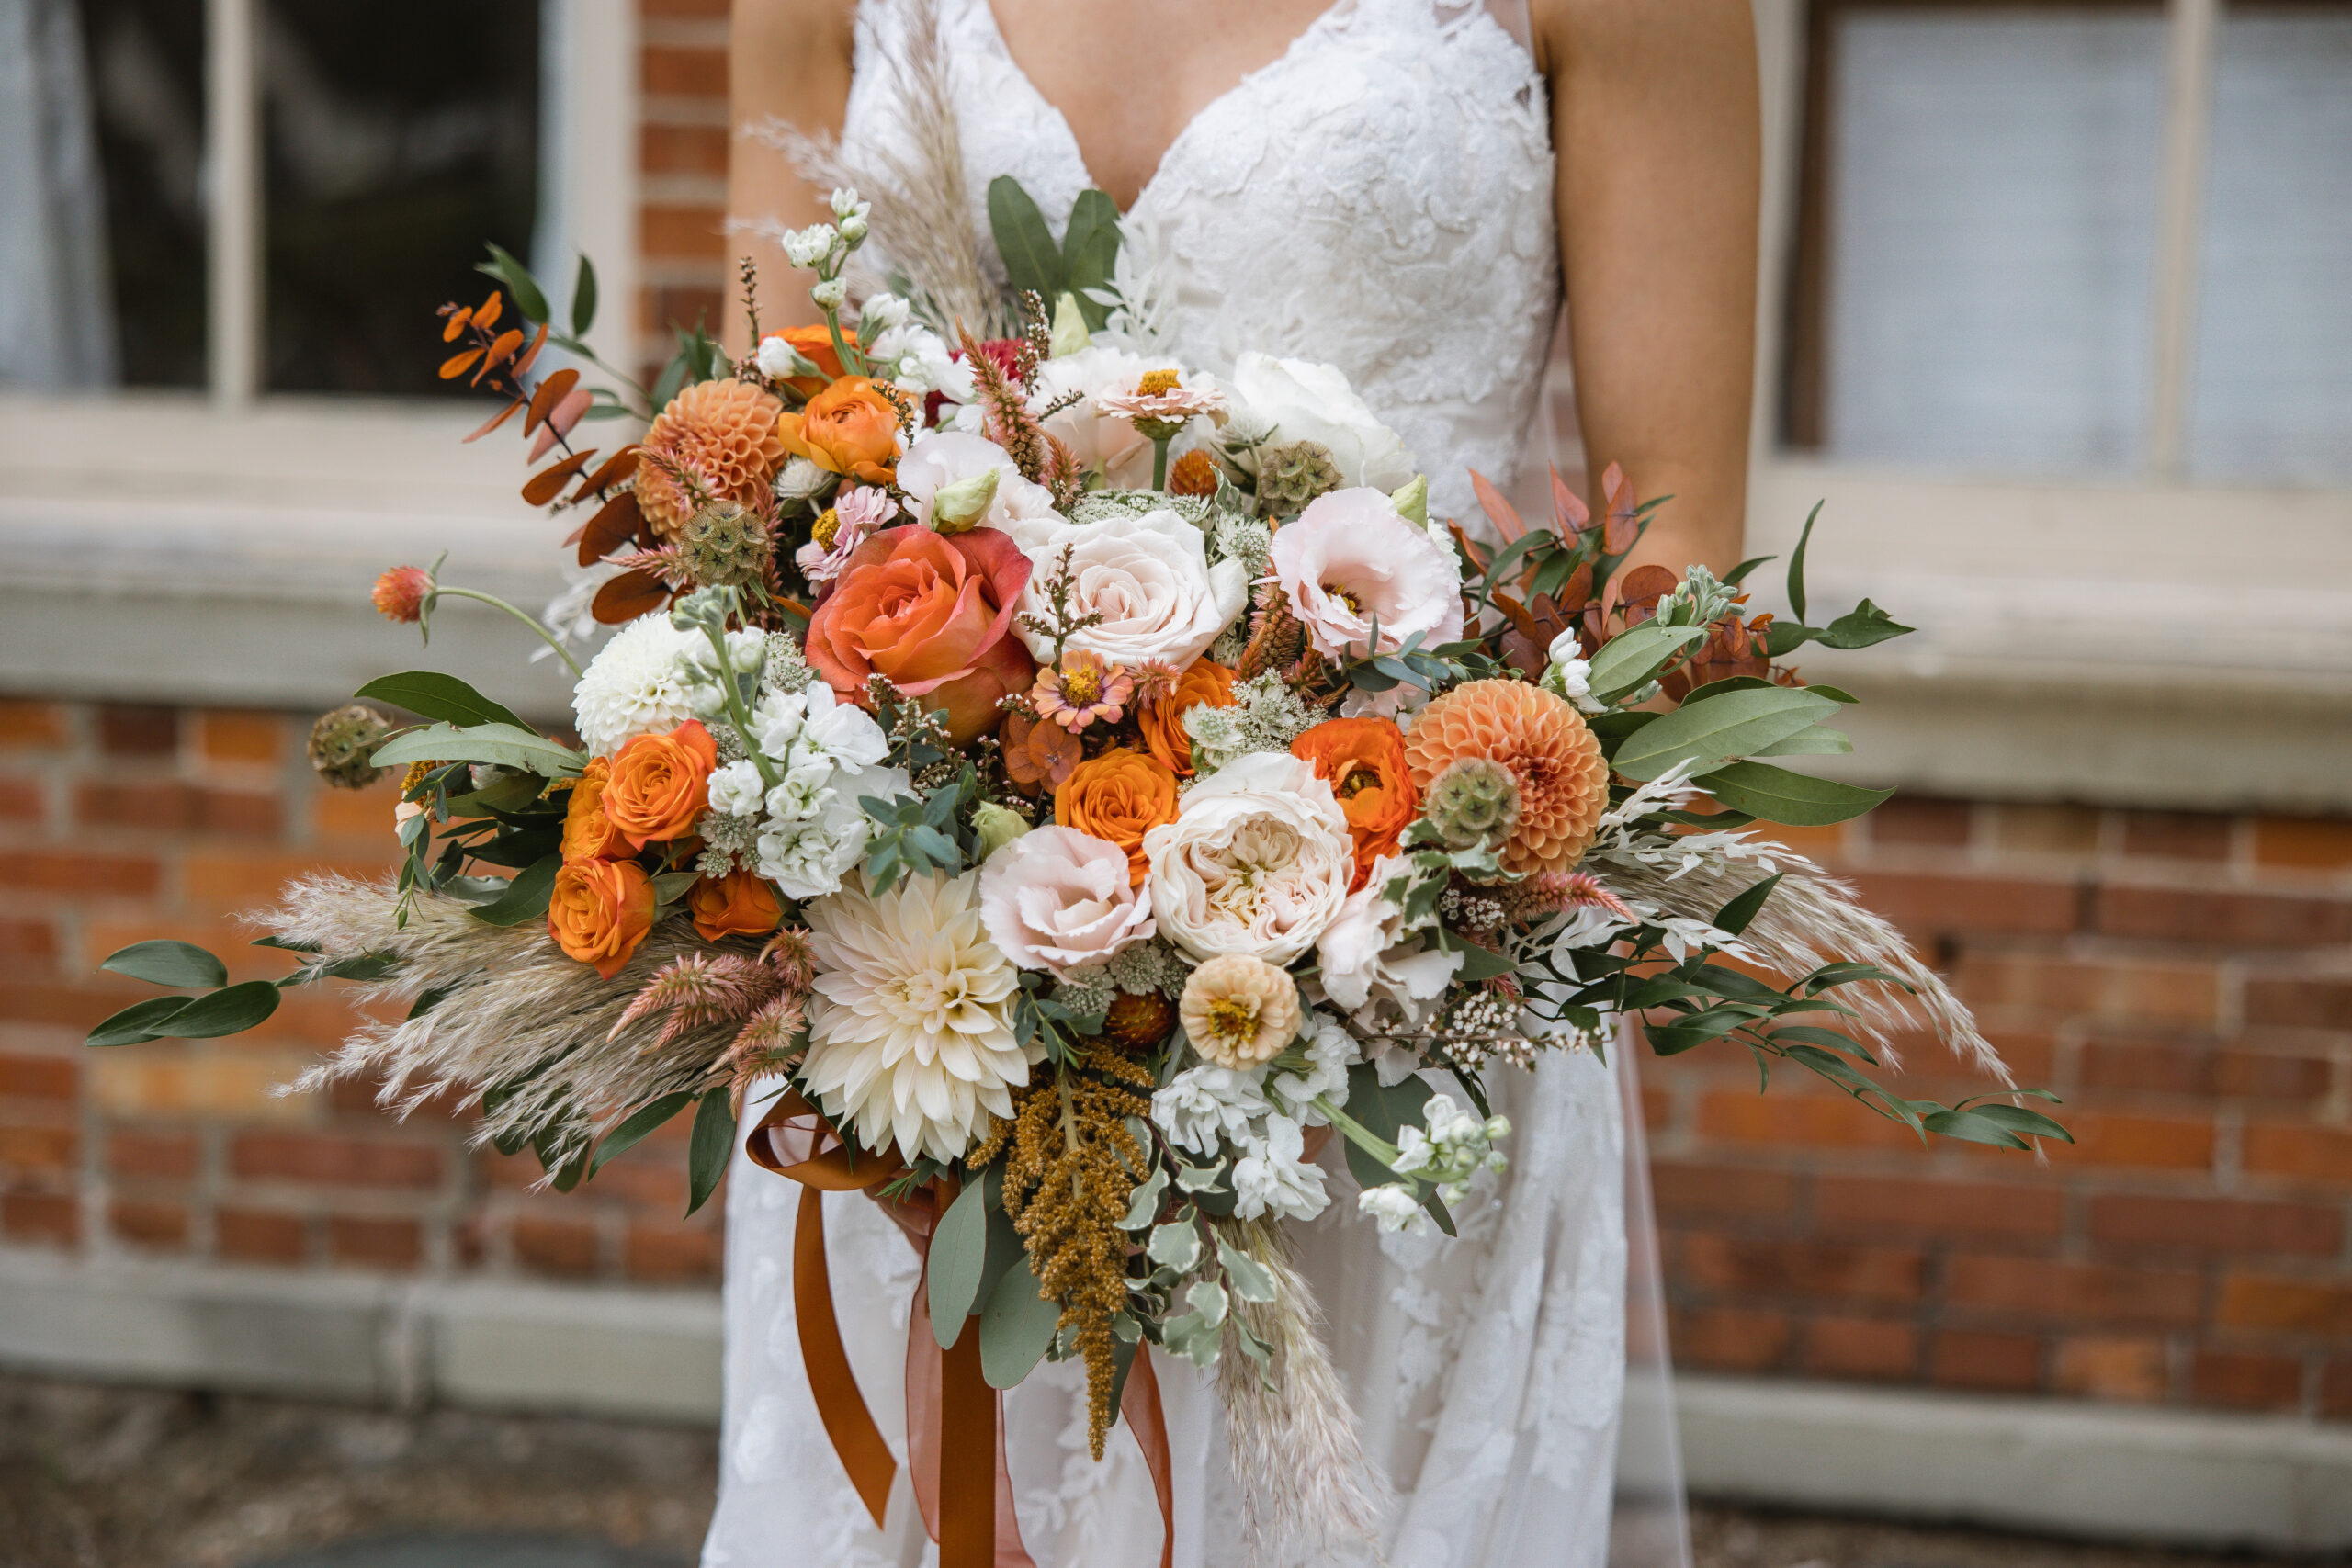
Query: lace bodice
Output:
(1378,198)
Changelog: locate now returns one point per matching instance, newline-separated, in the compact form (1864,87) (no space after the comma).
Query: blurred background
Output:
(2057,317)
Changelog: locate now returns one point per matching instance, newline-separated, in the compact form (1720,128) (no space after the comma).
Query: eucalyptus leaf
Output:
(1777,794)
(529,298)
(584,298)
(1720,729)
(673,886)
(1631,657)
(232,1010)
(1016,1327)
(503,744)
(1796,561)
(439,696)
(1091,254)
(162,962)
(1820,741)
(959,1252)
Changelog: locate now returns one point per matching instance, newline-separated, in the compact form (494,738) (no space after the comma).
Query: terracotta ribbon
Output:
(967,1510)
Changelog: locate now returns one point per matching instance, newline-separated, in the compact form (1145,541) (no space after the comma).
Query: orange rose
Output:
(738,904)
(1364,758)
(933,615)
(1162,720)
(600,911)
(816,345)
(848,428)
(659,783)
(588,833)
(1119,796)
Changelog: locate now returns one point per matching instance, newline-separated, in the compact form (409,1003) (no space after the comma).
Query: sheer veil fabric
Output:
(1378,198)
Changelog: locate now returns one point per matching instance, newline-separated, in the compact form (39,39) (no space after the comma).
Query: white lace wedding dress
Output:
(1379,197)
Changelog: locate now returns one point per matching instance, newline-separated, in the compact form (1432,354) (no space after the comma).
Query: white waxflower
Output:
(736,789)
(1275,1179)
(638,683)
(828,293)
(1394,1209)
(879,314)
(809,247)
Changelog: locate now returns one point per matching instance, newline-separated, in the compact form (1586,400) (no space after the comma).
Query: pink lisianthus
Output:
(1351,560)
(1059,899)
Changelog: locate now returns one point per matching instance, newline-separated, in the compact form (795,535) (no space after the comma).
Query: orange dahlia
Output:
(721,432)
(1562,782)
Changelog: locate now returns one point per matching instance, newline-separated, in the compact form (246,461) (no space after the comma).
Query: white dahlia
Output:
(910,1029)
(636,684)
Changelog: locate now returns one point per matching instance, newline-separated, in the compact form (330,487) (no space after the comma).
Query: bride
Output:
(1406,187)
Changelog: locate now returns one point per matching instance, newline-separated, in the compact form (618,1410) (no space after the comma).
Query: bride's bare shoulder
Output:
(790,47)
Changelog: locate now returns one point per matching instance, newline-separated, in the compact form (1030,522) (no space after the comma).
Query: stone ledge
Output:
(2102,1471)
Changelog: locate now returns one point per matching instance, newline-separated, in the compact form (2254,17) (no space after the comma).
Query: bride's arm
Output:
(1657,127)
(788,61)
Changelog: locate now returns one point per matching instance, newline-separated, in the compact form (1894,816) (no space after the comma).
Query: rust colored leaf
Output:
(1472,551)
(548,482)
(1577,592)
(614,468)
(457,319)
(568,413)
(550,393)
(538,341)
(627,597)
(502,349)
(616,523)
(1618,532)
(1519,616)
(492,307)
(458,364)
(1490,500)
(494,421)
(1570,515)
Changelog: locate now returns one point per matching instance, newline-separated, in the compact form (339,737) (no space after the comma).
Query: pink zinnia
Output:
(401,592)
(1084,689)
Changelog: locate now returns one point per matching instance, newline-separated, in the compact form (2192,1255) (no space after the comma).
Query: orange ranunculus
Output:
(738,904)
(600,910)
(1162,719)
(849,428)
(1118,796)
(815,344)
(588,833)
(931,614)
(659,783)
(1364,758)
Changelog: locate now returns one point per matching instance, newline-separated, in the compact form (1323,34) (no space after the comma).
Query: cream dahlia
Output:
(910,1025)
(1545,746)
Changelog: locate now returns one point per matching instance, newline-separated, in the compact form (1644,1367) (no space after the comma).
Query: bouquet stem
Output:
(530,620)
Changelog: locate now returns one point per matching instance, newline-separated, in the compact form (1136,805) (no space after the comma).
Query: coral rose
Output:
(588,833)
(933,615)
(1119,796)
(1543,743)
(1202,683)
(1363,761)
(738,904)
(600,910)
(659,783)
(849,428)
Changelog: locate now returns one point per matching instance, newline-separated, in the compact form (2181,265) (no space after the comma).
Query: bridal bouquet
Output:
(1054,791)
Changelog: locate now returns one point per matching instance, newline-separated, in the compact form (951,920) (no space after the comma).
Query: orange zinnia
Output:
(1118,797)
(1364,761)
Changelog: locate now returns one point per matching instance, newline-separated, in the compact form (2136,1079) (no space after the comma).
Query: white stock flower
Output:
(1394,1209)
(1307,402)
(1148,577)
(1275,1179)
(638,683)
(1200,1107)
(918,359)
(1350,563)
(737,790)
(879,314)
(943,459)
(809,247)
(1376,968)
(1568,672)
(1330,1052)
(1257,862)
(807,855)
(910,1025)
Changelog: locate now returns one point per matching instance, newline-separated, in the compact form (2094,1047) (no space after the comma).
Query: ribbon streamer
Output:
(966,1509)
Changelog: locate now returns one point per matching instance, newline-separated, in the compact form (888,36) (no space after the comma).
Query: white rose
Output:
(1148,577)
(1257,861)
(1376,968)
(1123,450)
(944,458)
(1307,402)
(1059,899)
(736,790)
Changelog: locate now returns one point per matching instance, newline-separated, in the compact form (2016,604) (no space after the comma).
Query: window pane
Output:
(1992,203)
(400,134)
(2273,393)
(146,75)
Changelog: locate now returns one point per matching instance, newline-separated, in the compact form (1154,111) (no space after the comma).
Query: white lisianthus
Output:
(1257,862)
(1148,577)
(1376,968)
(778,359)
(1349,562)
(736,790)
(1307,402)
(943,459)
(1276,1179)
(1200,1107)
(638,683)
(1394,1209)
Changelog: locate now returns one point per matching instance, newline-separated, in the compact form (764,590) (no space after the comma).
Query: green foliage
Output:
(1081,264)
(525,898)
(1719,728)
(438,696)
(709,1149)
(1776,794)
(178,964)
(502,745)
(959,1250)
(917,837)
(637,1124)
(1016,1327)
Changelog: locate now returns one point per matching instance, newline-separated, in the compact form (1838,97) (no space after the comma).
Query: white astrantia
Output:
(737,789)
(1276,1179)
(1148,576)
(911,1032)
(638,683)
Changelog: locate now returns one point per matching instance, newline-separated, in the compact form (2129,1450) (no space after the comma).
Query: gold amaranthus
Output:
(1068,1182)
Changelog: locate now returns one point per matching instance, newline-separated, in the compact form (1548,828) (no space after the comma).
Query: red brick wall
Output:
(683,145)
(2185,982)
(119,823)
